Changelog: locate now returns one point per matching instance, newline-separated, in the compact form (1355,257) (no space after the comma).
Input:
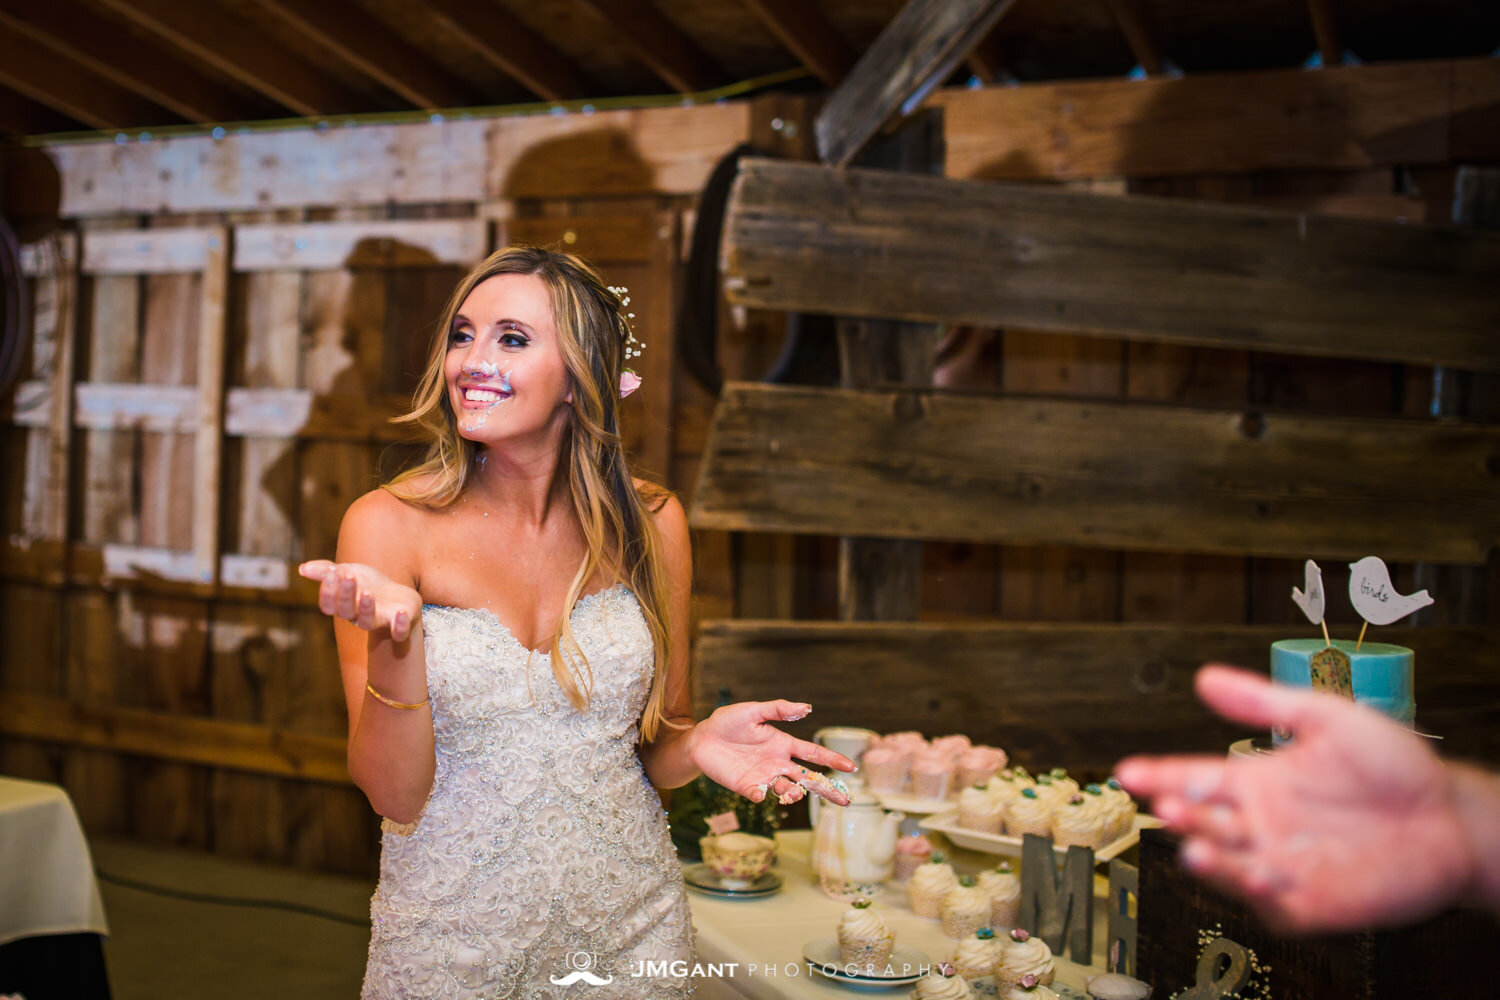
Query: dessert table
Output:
(764,937)
(52,914)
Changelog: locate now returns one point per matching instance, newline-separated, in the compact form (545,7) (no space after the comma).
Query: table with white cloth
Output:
(758,935)
(52,915)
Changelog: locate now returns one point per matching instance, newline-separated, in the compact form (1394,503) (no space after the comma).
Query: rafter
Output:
(356,37)
(233,45)
(810,37)
(141,68)
(52,78)
(512,47)
(1138,34)
(1326,30)
(657,42)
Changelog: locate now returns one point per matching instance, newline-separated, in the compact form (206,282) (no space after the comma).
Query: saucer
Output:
(706,880)
(823,957)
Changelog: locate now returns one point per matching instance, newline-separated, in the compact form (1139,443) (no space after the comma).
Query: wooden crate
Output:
(1441,957)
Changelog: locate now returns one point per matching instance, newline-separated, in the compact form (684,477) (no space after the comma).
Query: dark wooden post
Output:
(880,579)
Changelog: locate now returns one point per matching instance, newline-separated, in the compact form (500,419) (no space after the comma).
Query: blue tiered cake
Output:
(1381,672)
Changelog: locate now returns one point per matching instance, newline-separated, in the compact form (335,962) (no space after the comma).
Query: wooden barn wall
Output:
(210,714)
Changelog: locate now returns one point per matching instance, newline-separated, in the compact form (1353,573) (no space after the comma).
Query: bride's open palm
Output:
(739,748)
(364,595)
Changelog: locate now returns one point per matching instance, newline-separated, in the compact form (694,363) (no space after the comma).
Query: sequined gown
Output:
(542,850)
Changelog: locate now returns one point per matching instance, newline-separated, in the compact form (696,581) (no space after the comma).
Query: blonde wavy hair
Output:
(616,516)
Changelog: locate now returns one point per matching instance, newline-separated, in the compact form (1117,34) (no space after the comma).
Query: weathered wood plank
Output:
(1393,114)
(915,52)
(181,739)
(308,246)
(674,148)
(208,443)
(1077,695)
(898,246)
(909,464)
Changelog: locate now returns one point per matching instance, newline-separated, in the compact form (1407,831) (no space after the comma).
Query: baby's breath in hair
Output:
(633,347)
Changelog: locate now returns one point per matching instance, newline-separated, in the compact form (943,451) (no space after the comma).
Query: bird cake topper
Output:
(1377,602)
(1310,599)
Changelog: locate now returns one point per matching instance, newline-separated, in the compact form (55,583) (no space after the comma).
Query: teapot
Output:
(854,846)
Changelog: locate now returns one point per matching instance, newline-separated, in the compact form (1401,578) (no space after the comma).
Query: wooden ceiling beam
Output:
(50,77)
(355,36)
(659,43)
(513,48)
(233,45)
(1138,35)
(987,61)
(1326,30)
(809,36)
(143,69)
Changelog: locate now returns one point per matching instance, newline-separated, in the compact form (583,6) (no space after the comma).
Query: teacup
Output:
(737,858)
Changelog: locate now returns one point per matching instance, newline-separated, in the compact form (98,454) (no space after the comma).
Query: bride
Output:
(511,618)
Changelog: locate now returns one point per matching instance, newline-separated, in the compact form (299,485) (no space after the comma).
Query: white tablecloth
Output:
(46,876)
(764,934)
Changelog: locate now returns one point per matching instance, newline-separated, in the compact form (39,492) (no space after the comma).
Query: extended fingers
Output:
(1196,779)
(315,569)
(815,753)
(1218,822)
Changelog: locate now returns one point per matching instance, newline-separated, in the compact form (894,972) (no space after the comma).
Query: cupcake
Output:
(886,768)
(937,985)
(1029,813)
(1004,890)
(911,853)
(976,956)
(952,745)
(1083,821)
(929,884)
(1066,786)
(1029,988)
(1024,955)
(980,810)
(978,765)
(910,741)
(1121,807)
(931,774)
(1009,783)
(864,939)
(965,909)
(1051,791)
(1113,986)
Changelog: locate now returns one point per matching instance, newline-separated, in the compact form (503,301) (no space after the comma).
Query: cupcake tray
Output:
(946,823)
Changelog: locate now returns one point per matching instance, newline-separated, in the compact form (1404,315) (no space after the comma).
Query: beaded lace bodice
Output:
(542,849)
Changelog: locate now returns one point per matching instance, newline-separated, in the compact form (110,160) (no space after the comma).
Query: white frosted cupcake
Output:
(1009,783)
(1083,821)
(864,939)
(911,853)
(1029,988)
(976,956)
(937,985)
(980,810)
(1121,807)
(929,884)
(1024,955)
(965,909)
(952,745)
(1004,890)
(1027,813)
(1053,791)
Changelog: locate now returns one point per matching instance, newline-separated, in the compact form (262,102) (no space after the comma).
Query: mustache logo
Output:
(583,976)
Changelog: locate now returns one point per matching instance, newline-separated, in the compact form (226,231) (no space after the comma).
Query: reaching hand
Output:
(1354,824)
(364,596)
(739,748)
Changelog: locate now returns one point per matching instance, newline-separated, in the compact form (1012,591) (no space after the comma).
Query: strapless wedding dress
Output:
(541,865)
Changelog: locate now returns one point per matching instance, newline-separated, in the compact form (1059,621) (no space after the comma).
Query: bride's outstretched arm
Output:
(378,628)
(737,745)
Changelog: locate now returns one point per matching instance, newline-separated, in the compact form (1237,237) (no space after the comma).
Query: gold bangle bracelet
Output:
(392,702)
